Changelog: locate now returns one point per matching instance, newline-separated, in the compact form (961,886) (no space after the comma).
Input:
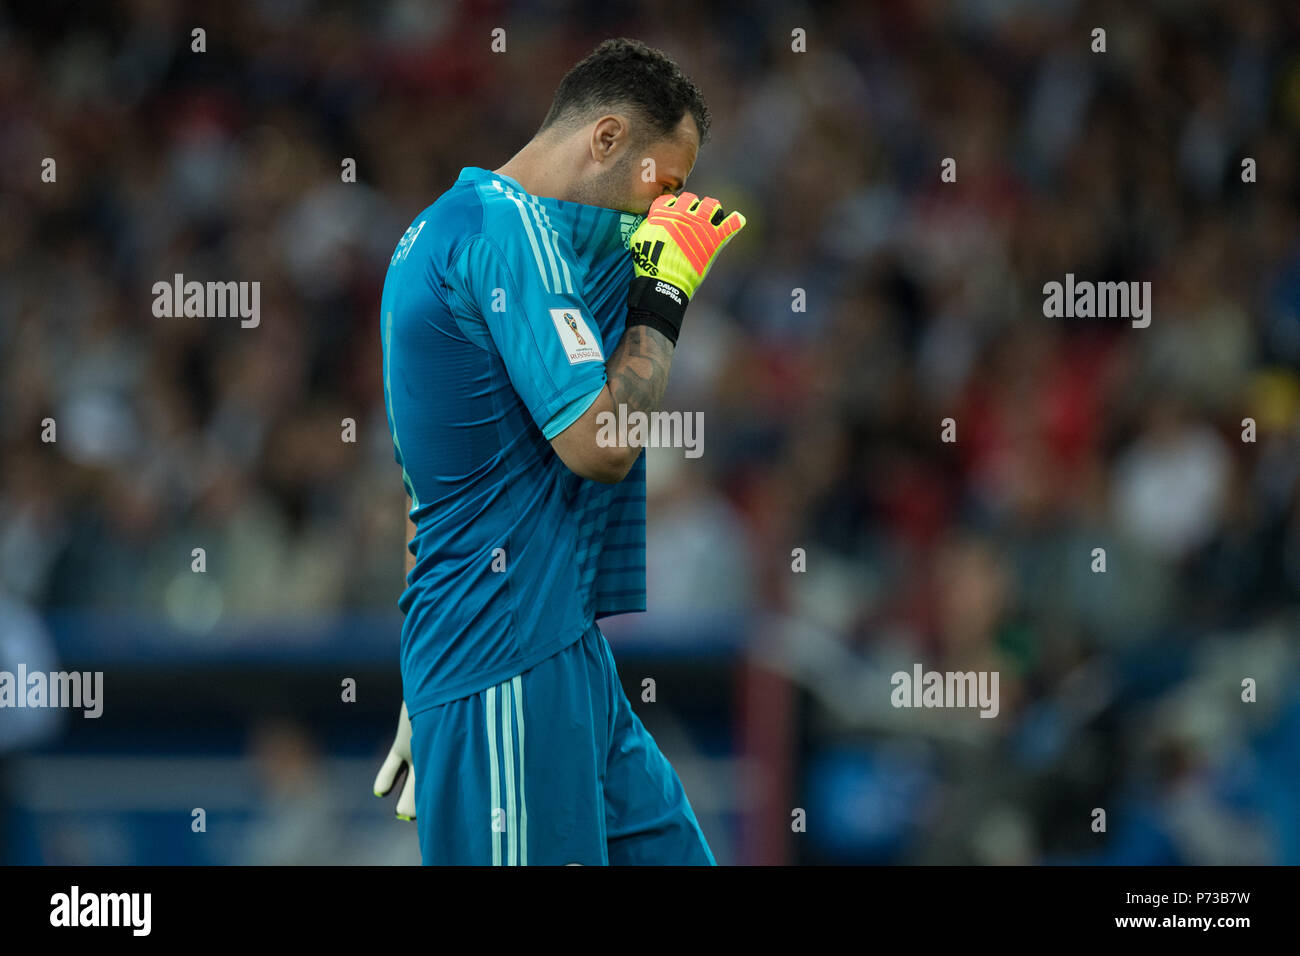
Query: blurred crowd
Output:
(922,301)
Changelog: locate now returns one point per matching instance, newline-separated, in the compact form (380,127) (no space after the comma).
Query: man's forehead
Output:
(689,128)
(685,146)
(689,134)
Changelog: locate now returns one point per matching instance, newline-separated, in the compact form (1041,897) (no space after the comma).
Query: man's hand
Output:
(679,239)
(398,757)
(673,249)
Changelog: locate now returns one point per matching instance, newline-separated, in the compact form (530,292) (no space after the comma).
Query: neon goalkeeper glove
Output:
(398,757)
(672,251)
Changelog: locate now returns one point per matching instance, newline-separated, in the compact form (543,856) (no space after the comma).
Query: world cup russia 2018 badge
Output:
(574,330)
(573,324)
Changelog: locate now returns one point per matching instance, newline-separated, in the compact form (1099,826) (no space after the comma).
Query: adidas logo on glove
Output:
(646,255)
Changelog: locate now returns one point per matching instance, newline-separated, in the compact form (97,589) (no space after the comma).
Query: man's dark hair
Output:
(627,73)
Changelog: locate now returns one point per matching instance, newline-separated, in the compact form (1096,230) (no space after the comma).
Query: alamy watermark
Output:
(651,430)
(1098,300)
(210,300)
(76,909)
(954,689)
(76,689)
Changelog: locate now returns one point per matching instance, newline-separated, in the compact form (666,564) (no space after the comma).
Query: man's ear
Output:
(610,131)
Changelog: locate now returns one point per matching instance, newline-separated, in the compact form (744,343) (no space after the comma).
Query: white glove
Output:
(399,757)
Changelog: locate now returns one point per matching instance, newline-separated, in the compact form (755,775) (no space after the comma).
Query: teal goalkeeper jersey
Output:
(499,311)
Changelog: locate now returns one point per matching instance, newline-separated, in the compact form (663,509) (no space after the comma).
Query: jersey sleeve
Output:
(571,413)
(537,320)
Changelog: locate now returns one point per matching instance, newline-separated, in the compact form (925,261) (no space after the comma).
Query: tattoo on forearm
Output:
(638,371)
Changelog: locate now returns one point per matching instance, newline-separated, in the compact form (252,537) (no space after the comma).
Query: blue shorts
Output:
(549,768)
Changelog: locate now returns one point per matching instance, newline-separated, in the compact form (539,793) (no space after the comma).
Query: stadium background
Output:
(1118,690)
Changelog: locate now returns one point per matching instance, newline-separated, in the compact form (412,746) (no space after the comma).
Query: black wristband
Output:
(658,304)
(656,322)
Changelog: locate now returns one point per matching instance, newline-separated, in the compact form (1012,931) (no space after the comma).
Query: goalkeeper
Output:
(518,308)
